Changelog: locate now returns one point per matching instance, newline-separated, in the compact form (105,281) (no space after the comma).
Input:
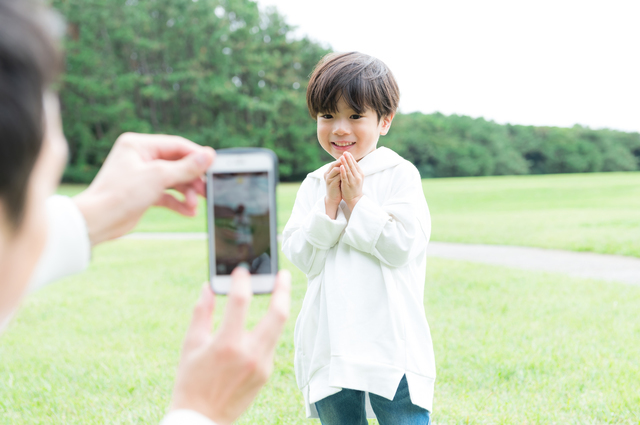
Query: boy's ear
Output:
(386,124)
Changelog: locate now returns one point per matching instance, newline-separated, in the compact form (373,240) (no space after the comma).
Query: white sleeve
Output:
(397,231)
(310,233)
(186,417)
(68,248)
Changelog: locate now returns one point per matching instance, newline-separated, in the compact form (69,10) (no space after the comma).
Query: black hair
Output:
(363,81)
(29,63)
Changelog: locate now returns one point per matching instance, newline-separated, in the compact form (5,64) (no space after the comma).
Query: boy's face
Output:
(348,131)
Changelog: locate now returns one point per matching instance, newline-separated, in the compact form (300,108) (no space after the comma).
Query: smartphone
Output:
(241,217)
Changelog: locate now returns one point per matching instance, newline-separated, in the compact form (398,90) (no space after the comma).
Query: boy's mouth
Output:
(343,144)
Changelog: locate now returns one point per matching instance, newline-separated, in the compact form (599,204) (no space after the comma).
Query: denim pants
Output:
(348,408)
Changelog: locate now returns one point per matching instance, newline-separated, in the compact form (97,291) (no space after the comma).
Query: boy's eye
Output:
(355,117)
(326,116)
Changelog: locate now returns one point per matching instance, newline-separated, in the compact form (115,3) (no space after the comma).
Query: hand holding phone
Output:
(241,217)
(219,375)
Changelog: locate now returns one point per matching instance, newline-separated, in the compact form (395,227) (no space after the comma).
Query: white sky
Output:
(542,62)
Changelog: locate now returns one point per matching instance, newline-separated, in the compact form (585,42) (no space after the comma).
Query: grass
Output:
(512,347)
(578,212)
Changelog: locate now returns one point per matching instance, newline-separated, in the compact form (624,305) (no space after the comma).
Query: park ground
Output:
(512,346)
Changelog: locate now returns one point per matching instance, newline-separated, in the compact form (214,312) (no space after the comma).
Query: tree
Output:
(220,73)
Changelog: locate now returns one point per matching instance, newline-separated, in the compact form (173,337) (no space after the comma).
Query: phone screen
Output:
(241,221)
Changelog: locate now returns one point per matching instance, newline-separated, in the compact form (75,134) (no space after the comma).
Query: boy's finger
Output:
(270,327)
(344,159)
(352,162)
(332,173)
(351,165)
(333,178)
(333,165)
(349,169)
(354,165)
(237,304)
(343,174)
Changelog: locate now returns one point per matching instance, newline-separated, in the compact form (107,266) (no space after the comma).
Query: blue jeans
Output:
(348,408)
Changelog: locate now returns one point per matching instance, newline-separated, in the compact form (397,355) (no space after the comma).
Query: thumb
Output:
(200,327)
(188,168)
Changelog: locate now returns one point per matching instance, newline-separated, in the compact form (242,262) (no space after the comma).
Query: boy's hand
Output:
(334,193)
(352,179)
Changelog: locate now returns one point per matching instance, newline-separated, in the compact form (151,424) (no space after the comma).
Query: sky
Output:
(551,63)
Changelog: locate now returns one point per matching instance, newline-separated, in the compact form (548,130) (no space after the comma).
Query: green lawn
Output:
(579,212)
(512,347)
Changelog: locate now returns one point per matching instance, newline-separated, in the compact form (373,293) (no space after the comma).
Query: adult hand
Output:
(352,180)
(220,375)
(136,174)
(334,194)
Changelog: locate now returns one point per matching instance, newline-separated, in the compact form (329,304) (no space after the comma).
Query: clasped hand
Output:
(344,181)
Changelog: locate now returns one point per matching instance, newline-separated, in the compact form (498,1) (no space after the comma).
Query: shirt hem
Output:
(376,378)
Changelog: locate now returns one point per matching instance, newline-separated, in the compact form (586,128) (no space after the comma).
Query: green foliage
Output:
(449,146)
(218,72)
(577,149)
(222,73)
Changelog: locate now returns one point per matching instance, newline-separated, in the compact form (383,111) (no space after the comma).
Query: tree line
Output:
(450,146)
(223,73)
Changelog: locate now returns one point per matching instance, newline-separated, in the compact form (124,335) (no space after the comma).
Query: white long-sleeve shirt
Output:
(68,251)
(362,324)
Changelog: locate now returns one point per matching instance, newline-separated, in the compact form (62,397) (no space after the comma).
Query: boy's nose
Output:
(341,128)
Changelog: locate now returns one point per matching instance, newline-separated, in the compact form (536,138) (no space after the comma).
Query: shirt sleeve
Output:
(310,233)
(396,231)
(186,417)
(68,248)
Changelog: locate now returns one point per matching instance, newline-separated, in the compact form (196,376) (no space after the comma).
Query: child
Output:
(359,231)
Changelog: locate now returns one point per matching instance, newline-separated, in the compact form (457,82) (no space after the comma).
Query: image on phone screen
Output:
(241,222)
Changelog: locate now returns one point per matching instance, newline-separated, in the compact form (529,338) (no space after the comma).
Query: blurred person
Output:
(218,375)
(243,235)
(359,230)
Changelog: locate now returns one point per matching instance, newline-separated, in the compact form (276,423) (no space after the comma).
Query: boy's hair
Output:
(29,63)
(362,80)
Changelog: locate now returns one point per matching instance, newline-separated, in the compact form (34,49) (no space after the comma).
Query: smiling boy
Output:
(359,231)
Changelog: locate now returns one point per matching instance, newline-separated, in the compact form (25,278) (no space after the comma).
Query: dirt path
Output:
(580,264)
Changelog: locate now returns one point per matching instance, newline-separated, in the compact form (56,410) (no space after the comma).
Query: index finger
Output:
(164,146)
(334,164)
(334,172)
(237,304)
(270,327)
(354,164)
